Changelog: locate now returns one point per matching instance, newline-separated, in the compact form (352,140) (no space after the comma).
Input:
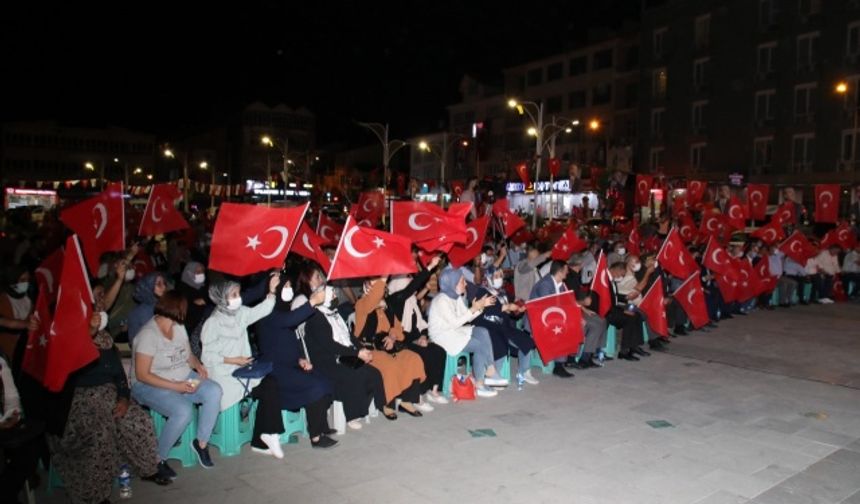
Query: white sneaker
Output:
(262,451)
(825,301)
(273,441)
(496,381)
(528,378)
(486,392)
(424,407)
(436,398)
(354,424)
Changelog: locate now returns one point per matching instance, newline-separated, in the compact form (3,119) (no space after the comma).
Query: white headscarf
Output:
(339,330)
(410,306)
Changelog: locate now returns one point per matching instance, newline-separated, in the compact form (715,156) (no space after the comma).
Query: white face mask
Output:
(103,268)
(130,274)
(199,278)
(637,266)
(234,303)
(21,287)
(497,283)
(103,320)
(622,251)
(287,294)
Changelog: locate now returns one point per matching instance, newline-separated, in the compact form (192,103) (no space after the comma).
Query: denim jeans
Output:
(482,349)
(179,408)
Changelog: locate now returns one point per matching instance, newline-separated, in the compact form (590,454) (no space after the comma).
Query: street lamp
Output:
(389,148)
(440,150)
(205,166)
(268,142)
(168,153)
(842,88)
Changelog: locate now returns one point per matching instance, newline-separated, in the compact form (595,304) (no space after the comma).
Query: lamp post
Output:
(168,153)
(389,149)
(536,130)
(842,88)
(440,150)
(559,125)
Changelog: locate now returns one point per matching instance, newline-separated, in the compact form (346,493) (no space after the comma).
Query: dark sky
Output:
(173,68)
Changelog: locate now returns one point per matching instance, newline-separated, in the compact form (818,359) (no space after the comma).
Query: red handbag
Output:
(462,388)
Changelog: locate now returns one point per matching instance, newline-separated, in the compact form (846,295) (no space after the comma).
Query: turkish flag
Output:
(654,310)
(765,282)
(798,248)
(99,223)
(785,214)
(827,203)
(728,286)
(747,287)
(328,229)
(142,264)
(843,236)
(691,297)
(619,210)
(643,189)
(367,252)
(674,256)
(476,233)
(757,195)
(736,213)
(251,238)
(554,166)
(48,274)
(770,233)
(310,245)
(36,352)
(716,258)
(510,221)
(522,170)
(679,205)
(687,228)
(633,240)
(428,224)
(457,187)
(161,215)
(523,235)
(600,286)
(370,207)
(712,223)
(569,244)
(69,345)
(696,191)
(556,325)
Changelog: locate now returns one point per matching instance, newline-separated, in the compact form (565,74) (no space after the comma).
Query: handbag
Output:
(256,370)
(462,388)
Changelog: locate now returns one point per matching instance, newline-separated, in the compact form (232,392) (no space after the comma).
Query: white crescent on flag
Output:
(285,234)
(690,296)
(711,220)
(306,242)
(157,218)
(102,220)
(49,277)
(347,243)
(413,221)
(770,232)
(829,198)
(473,233)
(323,233)
(735,215)
(549,311)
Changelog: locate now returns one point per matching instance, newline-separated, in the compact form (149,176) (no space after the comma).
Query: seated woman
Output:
(146,294)
(403,295)
(450,326)
(297,384)
(169,379)
(402,371)
(335,355)
(104,427)
(192,286)
(498,320)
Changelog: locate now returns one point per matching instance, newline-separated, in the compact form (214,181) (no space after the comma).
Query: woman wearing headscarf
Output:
(498,320)
(104,427)
(334,353)
(146,293)
(402,371)
(403,302)
(297,383)
(15,304)
(192,286)
(450,326)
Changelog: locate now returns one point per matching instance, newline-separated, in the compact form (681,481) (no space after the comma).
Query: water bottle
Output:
(124,482)
(520,380)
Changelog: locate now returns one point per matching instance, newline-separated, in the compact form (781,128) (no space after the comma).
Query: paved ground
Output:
(753,412)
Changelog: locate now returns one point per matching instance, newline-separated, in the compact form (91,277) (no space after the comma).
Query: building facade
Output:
(293,131)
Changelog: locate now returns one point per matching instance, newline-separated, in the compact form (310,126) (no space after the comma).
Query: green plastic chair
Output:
(611,348)
(294,422)
(231,431)
(451,370)
(183,451)
(537,361)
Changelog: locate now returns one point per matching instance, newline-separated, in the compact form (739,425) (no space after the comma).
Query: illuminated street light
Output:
(149,177)
(267,141)
(89,166)
(168,153)
(423,146)
(594,125)
(532,131)
(204,165)
(842,87)
(512,103)
(138,170)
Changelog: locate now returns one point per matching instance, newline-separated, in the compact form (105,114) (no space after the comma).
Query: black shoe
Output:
(414,413)
(158,478)
(166,470)
(680,331)
(639,351)
(323,442)
(571,363)
(656,346)
(727,316)
(583,364)
(628,356)
(330,432)
(665,341)
(203,455)
(712,325)
(559,371)
(390,416)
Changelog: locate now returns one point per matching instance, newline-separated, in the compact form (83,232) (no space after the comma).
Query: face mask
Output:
(497,283)
(485,259)
(287,294)
(637,267)
(234,303)
(103,320)
(329,295)
(102,271)
(199,278)
(622,251)
(130,274)
(21,287)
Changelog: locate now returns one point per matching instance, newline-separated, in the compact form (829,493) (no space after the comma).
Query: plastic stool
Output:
(505,372)
(295,422)
(183,451)
(451,370)
(611,347)
(537,361)
(231,432)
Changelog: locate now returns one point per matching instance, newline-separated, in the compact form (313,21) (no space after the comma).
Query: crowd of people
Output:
(373,343)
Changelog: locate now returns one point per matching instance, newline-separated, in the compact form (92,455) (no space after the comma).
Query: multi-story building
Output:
(50,151)
(749,86)
(479,118)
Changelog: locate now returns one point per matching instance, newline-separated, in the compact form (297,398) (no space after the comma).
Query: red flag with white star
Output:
(368,252)
(309,245)
(510,221)
(654,309)
(556,325)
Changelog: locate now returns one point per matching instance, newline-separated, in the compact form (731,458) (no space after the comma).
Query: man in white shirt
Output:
(851,272)
(827,263)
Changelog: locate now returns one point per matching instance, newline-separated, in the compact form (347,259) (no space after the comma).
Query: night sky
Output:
(172,69)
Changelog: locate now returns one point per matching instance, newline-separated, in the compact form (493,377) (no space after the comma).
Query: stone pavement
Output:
(745,413)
